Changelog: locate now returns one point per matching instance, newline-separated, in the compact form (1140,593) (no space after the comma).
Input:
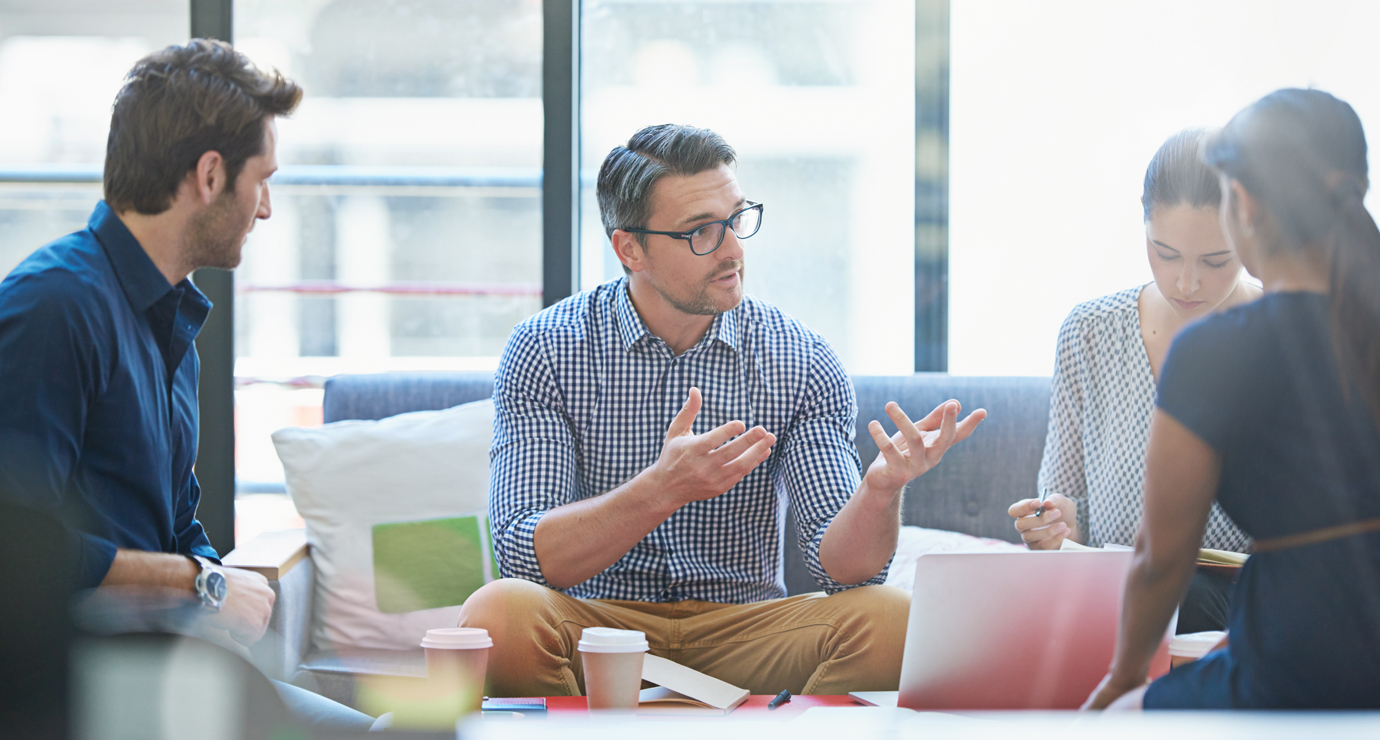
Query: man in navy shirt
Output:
(98,407)
(98,371)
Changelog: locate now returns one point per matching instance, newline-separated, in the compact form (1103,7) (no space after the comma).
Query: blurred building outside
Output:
(406,227)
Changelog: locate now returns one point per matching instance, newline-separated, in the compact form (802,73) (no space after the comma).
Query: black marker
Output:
(780,699)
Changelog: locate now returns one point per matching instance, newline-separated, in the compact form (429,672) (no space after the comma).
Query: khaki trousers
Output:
(808,644)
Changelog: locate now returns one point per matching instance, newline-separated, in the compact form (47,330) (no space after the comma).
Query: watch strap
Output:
(202,583)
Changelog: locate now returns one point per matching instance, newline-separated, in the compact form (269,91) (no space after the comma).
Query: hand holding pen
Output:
(1045,522)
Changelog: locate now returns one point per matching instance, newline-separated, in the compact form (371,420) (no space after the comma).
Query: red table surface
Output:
(755,705)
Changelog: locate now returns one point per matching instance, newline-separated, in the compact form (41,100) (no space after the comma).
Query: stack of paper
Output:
(1217,559)
(1221,557)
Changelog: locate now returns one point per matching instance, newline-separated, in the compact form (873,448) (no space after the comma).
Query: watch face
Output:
(215,587)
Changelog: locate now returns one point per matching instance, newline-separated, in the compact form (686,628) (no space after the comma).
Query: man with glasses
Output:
(647,437)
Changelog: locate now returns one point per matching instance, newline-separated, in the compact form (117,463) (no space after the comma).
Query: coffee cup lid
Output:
(608,640)
(457,638)
(1194,644)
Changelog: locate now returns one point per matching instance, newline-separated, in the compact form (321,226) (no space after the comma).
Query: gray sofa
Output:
(968,492)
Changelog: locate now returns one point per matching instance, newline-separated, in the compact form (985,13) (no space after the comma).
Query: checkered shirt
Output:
(583,397)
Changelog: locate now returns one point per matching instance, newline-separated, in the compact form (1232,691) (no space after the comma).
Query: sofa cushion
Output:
(968,492)
(377,496)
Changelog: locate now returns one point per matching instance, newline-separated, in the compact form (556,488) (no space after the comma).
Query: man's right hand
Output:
(248,605)
(695,467)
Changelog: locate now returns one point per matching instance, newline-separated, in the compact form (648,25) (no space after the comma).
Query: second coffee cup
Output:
(613,667)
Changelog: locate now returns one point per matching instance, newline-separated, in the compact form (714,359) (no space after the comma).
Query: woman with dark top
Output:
(1273,409)
(1110,353)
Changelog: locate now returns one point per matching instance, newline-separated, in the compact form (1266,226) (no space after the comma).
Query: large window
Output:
(818,99)
(1058,107)
(409,230)
(61,62)
(406,232)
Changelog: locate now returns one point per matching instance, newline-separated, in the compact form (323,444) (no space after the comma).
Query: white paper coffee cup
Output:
(613,667)
(457,661)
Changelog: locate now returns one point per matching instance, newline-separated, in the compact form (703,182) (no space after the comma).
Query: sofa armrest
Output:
(272,554)
(281,558)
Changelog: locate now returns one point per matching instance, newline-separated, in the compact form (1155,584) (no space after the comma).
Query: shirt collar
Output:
(631,328)
(143,284)
(725,328)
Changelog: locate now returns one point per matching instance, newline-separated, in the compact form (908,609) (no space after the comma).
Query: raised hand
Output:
(694,467)
(1049,530)
(916,446)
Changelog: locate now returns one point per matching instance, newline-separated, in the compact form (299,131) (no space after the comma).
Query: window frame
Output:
(560,184)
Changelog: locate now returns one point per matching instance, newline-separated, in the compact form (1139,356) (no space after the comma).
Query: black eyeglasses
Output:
(707,237)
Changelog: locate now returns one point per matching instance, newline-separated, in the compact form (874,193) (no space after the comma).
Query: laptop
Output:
(1010,630)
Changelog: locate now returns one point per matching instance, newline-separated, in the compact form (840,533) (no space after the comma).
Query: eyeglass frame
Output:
(727,222)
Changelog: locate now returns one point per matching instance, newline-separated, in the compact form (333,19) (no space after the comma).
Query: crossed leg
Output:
(812,643)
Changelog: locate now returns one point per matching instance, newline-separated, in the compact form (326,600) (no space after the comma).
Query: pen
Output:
(1041,510)
(780,699)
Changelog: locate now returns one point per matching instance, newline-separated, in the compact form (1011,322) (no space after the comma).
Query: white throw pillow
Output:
(349,476)
(916,541)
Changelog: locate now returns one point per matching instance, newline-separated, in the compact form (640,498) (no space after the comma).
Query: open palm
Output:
(916,446)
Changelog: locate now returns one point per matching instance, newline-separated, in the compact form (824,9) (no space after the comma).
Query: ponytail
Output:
(1355,296)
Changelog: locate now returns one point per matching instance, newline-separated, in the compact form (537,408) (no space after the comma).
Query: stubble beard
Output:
(701,303)
(215,239)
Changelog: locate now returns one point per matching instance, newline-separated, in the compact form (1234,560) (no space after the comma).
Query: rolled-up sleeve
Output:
(533,459)
(820,468)
(191,536)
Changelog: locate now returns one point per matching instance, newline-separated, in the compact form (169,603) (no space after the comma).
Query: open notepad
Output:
(682,690)
(1211,558)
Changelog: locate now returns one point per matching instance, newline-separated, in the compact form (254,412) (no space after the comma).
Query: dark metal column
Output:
(560,94)
(215,462)
(931,185)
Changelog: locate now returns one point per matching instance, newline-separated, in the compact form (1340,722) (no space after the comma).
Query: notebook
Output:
(685,691)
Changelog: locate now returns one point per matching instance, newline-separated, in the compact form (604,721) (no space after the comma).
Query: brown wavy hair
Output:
(176,105)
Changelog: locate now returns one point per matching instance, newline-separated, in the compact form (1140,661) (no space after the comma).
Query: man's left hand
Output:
(917,446)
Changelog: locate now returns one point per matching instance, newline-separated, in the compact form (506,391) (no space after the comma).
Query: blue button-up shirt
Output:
(583,397)
(98,395)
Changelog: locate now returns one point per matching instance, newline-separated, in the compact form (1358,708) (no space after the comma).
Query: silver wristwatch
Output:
(210,583)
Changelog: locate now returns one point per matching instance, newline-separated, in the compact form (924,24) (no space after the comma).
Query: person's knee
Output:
(505,605)
(870,622)
(882,611)
(529,653)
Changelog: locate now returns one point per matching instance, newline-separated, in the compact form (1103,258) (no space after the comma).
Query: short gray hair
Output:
(629,172)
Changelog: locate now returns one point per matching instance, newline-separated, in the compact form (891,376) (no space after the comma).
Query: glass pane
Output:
(406,228)
(1053,127)
(61,63)
(818,99)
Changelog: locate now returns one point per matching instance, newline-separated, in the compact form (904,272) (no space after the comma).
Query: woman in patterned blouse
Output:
(1109,357)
